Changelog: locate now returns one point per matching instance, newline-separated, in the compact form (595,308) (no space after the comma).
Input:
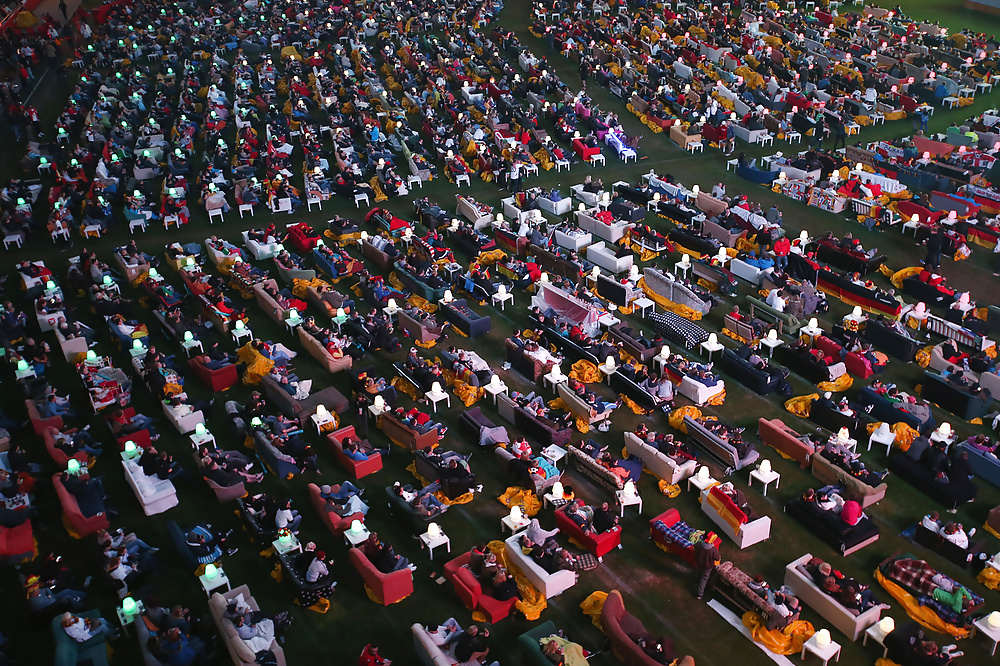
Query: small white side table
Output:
(682,267)
(811,332)
(771,345)
(607,372)
(292,544)
(320,421)
(434,542)
(826,653)
(712,348)
(435,398)
(700,483)
(125,619)
(353,539)
(378,411)
(240,333)
(198,441)
(553,454)
(502,299)
(643,304)
(220,579)
(512,526)
(554,382)
(766,479)
(983,625)
(628,500)
(192,344)
(495,390)
(876,634)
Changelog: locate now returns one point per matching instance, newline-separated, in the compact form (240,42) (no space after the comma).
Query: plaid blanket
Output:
(945,612)
(680,533)
(678,329)
(913,574)
(586,562)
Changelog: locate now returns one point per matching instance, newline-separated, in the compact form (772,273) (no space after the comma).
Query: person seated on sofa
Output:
(361,449)
(981,443)
(729,434)
(782,600)
(383,557)
(346,501)
(83,629)
(89,494)
(423,501)
(955,533)
(739,499)
(582,516)
(668,445)
(662,390)
(203,542)
(604,519)
(550,559)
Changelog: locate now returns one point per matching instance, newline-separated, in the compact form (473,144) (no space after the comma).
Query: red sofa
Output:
(386,588)
(336,524)
(597,544)
(670,518)
(583,151)
(37,422)
(58,456)
(356,468)
(927,217)
(75,522)
(140,437)
(776,434)
(217,380)
(856,365)
(471,592)
(17,544)
(298,239)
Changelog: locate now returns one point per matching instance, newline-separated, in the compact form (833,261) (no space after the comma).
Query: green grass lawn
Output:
(656,587)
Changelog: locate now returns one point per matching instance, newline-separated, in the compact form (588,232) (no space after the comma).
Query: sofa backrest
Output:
(726,508)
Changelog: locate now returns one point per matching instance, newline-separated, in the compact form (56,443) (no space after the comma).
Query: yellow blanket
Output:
(786,641)
(532,601)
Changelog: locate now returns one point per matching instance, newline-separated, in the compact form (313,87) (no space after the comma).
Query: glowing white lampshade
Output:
(843,434)
(448,296)
(859,167)
(128,606)
(189,261)
(502,290)
(582,207)
(927,155)
(685,259)
(52,285)
(379,402)
(596,272)
(656,196)
(556,372)
(629,488)
(804,236)
(823,637)
(915,218)
(200,429)
(772,334)
(764,467)
(782,176)
(944,429)
(357,526)
(22,365)
(341,314)
(436,387)
(91,355)
(73,466)
(153,272)
(211,571)
(495,381)
(856,311)
(713,339)
(703,472)
(994,619)
(557,489)
(606,197)
(392,304)
(921,307)
(515,514)
(364,235)
(722,255)
(544,278)
(664,351)
(106,281)
(963,298)
(321,410)
(814,323)
(137,344)
(294,313)
(609,362)
(188,336)
(433,530)
(695,190)
(240,325)
(886,625)
(130,448)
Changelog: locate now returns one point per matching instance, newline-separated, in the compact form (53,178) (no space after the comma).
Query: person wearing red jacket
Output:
(781,248)
(371,657)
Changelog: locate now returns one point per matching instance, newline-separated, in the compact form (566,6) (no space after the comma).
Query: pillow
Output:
(917,448)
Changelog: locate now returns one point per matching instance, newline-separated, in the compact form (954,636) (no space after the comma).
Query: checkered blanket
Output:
(913,574)
(680,533)
(586,562)
(678,329)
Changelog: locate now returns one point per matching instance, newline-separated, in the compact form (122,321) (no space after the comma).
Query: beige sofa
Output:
(268,304)
(319,352)
(238,650)
(579,407)
(851,624)
(658,463)
(549,584)
(855,489)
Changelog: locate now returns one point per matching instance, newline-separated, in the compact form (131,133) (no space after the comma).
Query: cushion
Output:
(469,580)
(917,448)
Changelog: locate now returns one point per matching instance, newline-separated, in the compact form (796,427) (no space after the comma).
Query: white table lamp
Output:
(379,402)
(22,365)
(211,571)
(515,514)
(596,272)
(557,489)
(502,290)
(341,313)
(294,314)
(804,236)
(609,362)
(856,312)
(582,207)
(130,448)
(436,387)
(944,429)
(91,355)
(695,190)
(703,472)
(128,606)
(764,467)
(629,488)
(495,382)
(73,466)
(823,637)
(772,335)
(685,259)
(544,278)
(723,255)
(200,429)
(357,526)
(843,434)
(886,625)
(713,339)
(814,323)
(434,530)
(994,619)
(321,410)
(448,296)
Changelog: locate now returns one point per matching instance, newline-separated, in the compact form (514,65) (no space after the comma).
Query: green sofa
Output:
(70,653)
(527,644)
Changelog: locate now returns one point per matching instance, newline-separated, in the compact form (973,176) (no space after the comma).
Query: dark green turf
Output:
(657,588)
